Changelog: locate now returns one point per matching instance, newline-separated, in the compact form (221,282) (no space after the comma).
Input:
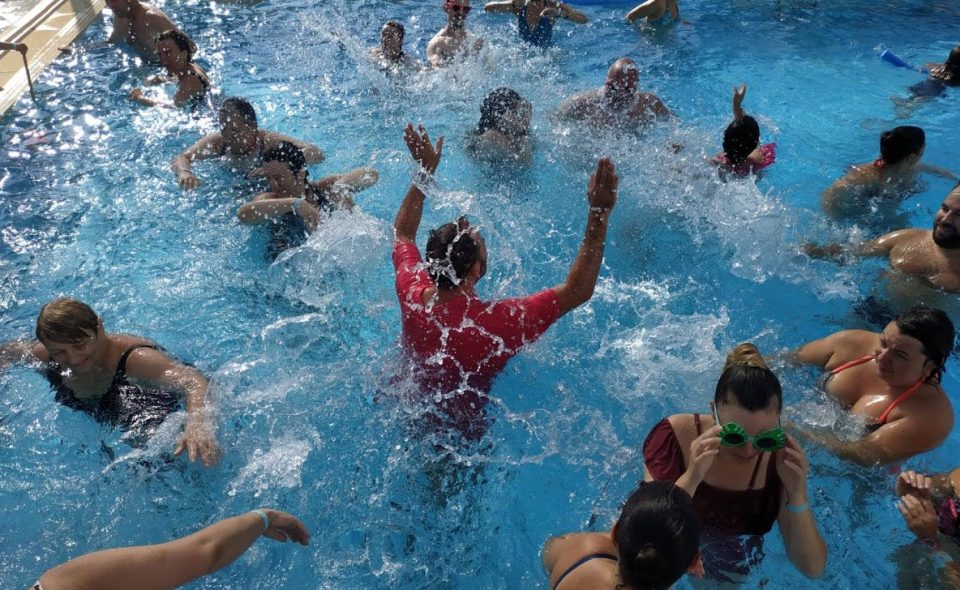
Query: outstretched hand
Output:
(602,190)
(738,95)
(284,527)
(198,441)
(422,149)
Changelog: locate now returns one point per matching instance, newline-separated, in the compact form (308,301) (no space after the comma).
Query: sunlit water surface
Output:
(302,351)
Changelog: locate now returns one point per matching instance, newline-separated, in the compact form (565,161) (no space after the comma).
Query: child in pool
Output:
(742,153)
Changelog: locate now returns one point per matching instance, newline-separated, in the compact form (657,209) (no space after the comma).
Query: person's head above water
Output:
(953,61)
(174,49)
(946,222)
(622,79)
(915,346)
(748,394)
(505,111)
(901,144)
(72,333)
(237,116)
(456,255)
(740,138)
(657,537)
(391,39)
(285,168)
(457,11)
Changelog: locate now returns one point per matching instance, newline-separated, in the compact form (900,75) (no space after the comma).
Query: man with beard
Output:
(617,103)
(458,343)
(453,40)
(933,256)
(138,24)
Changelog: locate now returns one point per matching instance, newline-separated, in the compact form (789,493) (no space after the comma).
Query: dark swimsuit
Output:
(734,520)
(886,413)
(948,521)
(124,404)
(290,231)
(582,561)
(541,35)
(198,100)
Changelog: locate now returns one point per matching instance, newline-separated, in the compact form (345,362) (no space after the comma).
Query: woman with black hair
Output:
(503,131)
(742,153)
(654,543)
(742,470)
(175,51)
(893,380)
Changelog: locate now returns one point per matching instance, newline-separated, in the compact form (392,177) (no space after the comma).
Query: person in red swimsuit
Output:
(458,342)
(893,379)
(743,472)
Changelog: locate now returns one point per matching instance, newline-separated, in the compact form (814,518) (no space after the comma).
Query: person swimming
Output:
(949,71)
(536,18)
(503,131)
(239,139)
(892,378)
(175,51)
(390,54)
(617,103)
(742,470)
(891,175)
(654,542)
(742,153)
(108,376)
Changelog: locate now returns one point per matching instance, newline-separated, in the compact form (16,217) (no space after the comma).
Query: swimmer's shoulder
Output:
(685,427)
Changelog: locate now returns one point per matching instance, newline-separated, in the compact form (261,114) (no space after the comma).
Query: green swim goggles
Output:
(734,435)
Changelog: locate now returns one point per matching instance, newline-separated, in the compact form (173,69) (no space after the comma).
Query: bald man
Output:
(933,256)
(617,103)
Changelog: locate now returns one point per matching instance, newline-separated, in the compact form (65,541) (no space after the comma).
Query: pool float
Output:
(895,60)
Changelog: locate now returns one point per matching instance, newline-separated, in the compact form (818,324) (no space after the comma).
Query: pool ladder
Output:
(22,48)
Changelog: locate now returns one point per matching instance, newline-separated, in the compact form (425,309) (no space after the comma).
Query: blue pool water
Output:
(300,350)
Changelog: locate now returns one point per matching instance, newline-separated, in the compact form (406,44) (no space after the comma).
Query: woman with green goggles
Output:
(742,470)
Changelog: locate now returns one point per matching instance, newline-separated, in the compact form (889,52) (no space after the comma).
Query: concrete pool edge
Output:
(46,28)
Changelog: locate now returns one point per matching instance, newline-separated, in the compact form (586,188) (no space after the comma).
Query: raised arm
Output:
(738,96)
(428,157)
(805,546)
(503,6)
(170,565)
(582,278)
(198,437)
(209,146)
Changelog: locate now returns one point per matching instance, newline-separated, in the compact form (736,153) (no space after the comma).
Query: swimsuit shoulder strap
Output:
(582,561)
(853,363)
(122,365)
(696,422)
(909,391)
(756,470)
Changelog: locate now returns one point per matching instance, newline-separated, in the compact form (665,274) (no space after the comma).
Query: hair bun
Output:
(745,354)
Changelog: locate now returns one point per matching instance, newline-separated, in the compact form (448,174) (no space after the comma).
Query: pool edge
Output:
(46,28)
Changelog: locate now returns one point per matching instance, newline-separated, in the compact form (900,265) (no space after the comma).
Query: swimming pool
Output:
(299,350)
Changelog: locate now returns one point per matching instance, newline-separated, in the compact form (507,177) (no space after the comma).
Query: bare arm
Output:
(836,348)
(642,11)
(572,14)
(198,438)
(312,153)
(428,156)
(805,547)
(892,442)
(937,170)
(121,26)
(503,6)
(878,247)
(582,278)
(738,95)
(261,209)
(169,565)
(209,146)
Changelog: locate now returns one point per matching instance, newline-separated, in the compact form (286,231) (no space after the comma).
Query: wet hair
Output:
(287,153)
(740,138)
(657,536)
(935,332)
(747,380)
(451,250)
(181,40)
(901,142)
(396,25)
(242,107)
(66,320)
(495,105)
(953,60)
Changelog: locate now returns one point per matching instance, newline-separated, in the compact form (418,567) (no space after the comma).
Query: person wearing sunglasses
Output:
(453,41)
(742,470)
(535,18)
(892,379)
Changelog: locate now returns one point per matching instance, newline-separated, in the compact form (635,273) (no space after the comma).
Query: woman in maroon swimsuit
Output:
(743,472)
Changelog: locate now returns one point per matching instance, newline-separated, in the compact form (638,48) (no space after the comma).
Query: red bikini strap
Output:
(853,363)
(910,391)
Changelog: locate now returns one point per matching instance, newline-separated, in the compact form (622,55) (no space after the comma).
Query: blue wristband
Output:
(297,203)
(263,517)
(801,508)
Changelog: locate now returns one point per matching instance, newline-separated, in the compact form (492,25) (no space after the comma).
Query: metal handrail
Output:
(22,48)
